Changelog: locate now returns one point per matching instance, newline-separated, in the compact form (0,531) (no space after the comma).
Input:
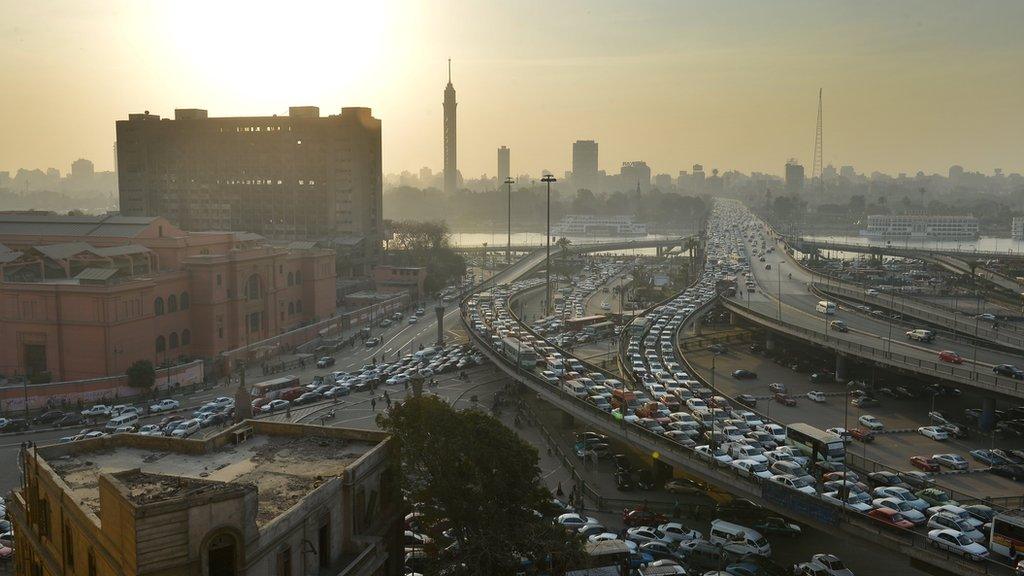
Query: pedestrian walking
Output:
(676,509)
(558,491)
(373,404)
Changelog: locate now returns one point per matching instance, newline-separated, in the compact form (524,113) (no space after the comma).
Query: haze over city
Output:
(908,85)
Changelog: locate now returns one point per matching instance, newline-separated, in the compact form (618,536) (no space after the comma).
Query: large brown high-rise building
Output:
(297,177)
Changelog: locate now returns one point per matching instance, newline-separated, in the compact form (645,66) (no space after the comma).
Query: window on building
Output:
(172,303)
(298,277)
(158,306)
(173,340)
(221,555)
(69,546)
(44,517)
(186,337)
(291,279)
(253,290)
(284,562)
(298,306)
(91,563)
(219,280)
(184,301)
(220,332)
(291,308)
(161,344)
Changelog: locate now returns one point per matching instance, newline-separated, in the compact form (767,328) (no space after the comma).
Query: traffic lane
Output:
(893,450)
(594,301)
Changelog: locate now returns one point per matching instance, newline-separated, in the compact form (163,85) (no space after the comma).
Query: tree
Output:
(141,374)
(476,477)
(427,244)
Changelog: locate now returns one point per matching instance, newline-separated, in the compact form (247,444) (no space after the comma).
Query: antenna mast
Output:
(816,167)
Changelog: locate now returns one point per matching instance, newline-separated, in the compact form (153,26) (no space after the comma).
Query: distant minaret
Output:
(451,170)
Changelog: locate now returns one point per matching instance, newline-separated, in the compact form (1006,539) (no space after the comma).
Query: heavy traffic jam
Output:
(659,395)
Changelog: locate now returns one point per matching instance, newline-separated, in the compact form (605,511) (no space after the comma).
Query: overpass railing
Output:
(947,371)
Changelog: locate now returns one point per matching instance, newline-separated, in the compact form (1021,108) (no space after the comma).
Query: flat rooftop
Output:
(284,469)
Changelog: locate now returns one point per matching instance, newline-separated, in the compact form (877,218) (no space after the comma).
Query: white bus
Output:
(816,444)
(1007,531)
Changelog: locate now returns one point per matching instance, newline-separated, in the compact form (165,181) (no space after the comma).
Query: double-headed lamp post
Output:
(548,179)
(508,249)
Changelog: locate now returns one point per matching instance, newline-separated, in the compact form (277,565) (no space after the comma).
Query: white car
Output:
(186,428)
(150,430)
(273,405)
(574,520)
(704,452)
(641,534)
(901,494)
(853,502)
(97,410)
(958,542)
(832,564)
(957,511)
(943,520)
(933,432)
(165,405)
(223,401)
(748,467)
(413,319)
(816,396)
(791,481)
(777,432)
(909,512)
(871,423)
(676,532)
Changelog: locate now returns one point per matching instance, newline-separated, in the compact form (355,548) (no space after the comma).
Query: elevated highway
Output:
(660,243)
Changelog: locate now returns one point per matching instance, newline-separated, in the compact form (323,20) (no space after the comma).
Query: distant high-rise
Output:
(451,169)
(503,164)
(794,177)
(697,178)
(584,164)
(636,175)
(82,169)
(300,176)
(847,172)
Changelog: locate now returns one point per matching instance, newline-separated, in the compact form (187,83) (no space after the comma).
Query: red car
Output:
(784,399)
(862,434)
(642,517)
(891,517)
(951,357)
(924,463)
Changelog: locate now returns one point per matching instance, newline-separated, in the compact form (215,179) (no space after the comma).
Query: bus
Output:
(1007,531)
(600,330)
(576,324)
(521,354)
(604,558)
(271,389)
(816,444)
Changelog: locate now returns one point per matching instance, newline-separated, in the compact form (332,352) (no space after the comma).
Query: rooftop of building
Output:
(43,224)
(283,469)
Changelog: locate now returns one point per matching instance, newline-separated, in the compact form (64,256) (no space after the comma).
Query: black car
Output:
(69,419)
(1009,370)
(643,479)
(621,461)
(747,400)
(886,478)
(717,349)
(742,374)
(866,402)
(307,397)
(823,378)
(741,509)
(918,480)
(1014,472)
(325,362)
(13,426)
(48,417)
(622,481)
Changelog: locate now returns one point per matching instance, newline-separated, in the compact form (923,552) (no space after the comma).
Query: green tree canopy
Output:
(141,374)
(474,476)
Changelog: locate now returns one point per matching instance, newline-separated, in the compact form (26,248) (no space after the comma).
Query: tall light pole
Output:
(779,269)
(508,250)
(548,179)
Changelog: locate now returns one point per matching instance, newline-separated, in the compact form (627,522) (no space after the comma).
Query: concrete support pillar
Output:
(988,414)
(769,341)
(841,368)
(733,320)
(439,311)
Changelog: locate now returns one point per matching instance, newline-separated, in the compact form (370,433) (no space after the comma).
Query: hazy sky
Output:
(908,85)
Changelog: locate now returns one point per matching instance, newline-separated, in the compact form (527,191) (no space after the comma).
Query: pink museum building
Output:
(85,296)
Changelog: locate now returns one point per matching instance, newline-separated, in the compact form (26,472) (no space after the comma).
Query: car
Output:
(48,417)
(925,463)
(935,497)
(777,387)
(957,511)
(832,564)
(325,361)
(657,549)
(957,542)
(866,402)
(890,517)
(839,326)
(274,405)
(885,478)
(372,342)
(676,532)
(951,522)
(951,357)
(904,508)
(777,525)
(822,378)
(1008,370)
(97,410)
(747,400)
(954,461)
(988,458)
(784,399)
(918,479)
(642,534)
(574,520)
(934,432)
(901,494)
(1014,472)
(986,316)
(871,423)
(165,405)
(13,424)
(742,374)
(413,320)
(186,428)
(816,396)
(685,486)
(862,435)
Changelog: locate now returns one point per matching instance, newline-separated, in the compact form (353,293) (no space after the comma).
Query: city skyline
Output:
(916,86)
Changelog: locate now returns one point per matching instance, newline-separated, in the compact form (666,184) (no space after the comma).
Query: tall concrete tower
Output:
(451,171)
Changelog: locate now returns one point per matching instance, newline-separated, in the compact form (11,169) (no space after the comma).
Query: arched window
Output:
(173,340)
(222,554)
(253,289)
(172,303)
(158,306)
(298,306)
(161,344)
(291,279)
(186,337)
(298,277)
(183,301)
(291,308)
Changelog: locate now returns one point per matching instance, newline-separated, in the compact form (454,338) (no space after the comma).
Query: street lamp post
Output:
(548,179)
(508,249)
(779,270)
